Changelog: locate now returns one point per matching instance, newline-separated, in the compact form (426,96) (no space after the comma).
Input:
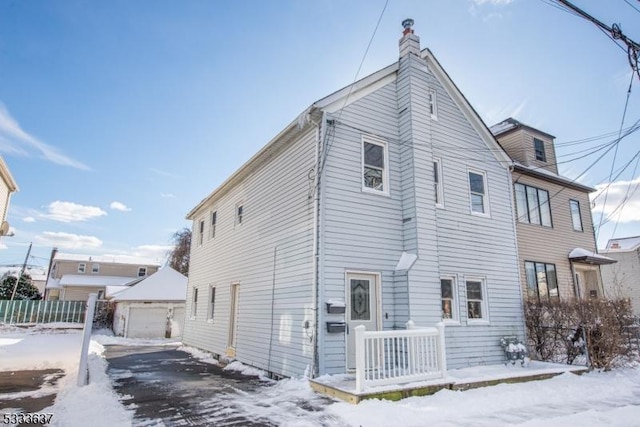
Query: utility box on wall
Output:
(335,307)
(336,327)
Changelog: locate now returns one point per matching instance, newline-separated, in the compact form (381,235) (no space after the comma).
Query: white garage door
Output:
(147,322)
(178,322)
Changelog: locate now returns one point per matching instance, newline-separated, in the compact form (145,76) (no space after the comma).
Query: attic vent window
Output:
(539,147)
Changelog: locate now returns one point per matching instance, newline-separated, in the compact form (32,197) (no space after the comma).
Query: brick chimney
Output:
(409,43)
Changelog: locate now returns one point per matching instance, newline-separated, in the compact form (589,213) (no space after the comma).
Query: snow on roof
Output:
(580,254)
(164,285)
(623,244)
(53,283)
(97,281)
(503,126)
(116,259)
(112,290)
(554,176)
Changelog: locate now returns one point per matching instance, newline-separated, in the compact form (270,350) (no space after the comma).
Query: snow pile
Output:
(246,370)
(106,337)
(199,354)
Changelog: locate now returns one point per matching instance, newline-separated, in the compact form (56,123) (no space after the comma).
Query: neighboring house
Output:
(7,186)
(73,277)
(623,278)
(153,307)
(386,201)
(556,243)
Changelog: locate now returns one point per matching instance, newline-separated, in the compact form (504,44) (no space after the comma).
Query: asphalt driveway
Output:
(165,386)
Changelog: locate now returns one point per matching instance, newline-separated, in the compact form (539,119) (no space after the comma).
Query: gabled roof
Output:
(335,102)
(623,244)
(164,285)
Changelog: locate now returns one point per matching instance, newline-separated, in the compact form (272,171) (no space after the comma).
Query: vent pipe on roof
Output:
(409,43)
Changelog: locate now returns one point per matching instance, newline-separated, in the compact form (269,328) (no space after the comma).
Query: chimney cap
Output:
(407,23)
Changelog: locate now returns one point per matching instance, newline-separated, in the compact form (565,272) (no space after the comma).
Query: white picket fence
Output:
(400,356)
(30,312)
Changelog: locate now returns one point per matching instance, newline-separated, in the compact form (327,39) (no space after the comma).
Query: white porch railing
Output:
(398,357)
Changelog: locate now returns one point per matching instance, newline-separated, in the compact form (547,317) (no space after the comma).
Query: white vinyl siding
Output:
(532,205)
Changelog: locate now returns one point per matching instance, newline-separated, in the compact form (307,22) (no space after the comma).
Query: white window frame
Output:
(213,224)
(211,303)
(82,267)
(200,232)
(95,268)
(385,170)
(485,198)
(455,301)
(432,104)
(194,303)
(438,186)
(573,222)
(239,217)
(484,320)
(142,270)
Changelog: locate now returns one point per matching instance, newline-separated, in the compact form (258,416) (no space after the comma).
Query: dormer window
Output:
(539,148)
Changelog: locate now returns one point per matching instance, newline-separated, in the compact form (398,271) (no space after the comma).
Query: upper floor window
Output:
(449,299)
(532,205)
(214,220)
(82,267)
(239,213)
(542,281)
(374,166)
(95,268)
(576,217)
(142,271)
(432,104)
(539,148)
(437,182)
(201,232)
(194,303)
(476,300)
(478,192)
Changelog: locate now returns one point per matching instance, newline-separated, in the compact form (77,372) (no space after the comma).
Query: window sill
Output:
(209,320)
(477,322)
(451,322)
(481,215)
(377,192)
(192,318)
(440,205)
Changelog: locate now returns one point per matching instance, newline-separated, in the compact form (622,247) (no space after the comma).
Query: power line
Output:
(635,8)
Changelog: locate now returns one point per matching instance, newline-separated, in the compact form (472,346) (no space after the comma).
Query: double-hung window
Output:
(576,217)
(432,104)
(542,280)
(212,302)
(449,299)
(476,300)
(239,213)
(437,182)
(532,205)
(214,220)
(194,303)
(142,271)
(201,232)
(95,268)
(538,146)
(375,174)
(82,267)
(478,192)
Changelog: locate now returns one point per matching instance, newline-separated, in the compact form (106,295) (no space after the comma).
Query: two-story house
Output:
(73,277)
(7,186)
(556,242)
(622,280)
(385,201)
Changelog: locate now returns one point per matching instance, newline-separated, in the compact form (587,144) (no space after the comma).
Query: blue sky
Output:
(117,118)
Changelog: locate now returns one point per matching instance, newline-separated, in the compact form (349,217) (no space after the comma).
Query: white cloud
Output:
(117,206)
(67,240)
(72,212)
(13,139)
(493,2)
(163,173)
(29,219)
(3,246)
(497,114)
(167,195)
(630,212)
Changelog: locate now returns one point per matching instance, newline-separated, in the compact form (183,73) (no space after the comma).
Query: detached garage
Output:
(152,308)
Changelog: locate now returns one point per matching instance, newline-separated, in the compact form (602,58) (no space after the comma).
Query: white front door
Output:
(362,309)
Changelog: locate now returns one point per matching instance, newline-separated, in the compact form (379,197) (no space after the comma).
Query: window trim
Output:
(527,214)
(485,199)
(385,170)
(211,303)
(484,320)
(82,267)
(194,303)
(200,232)
(455,300)
(140,269)
(438,184)
(535,150)
(239,214)
(212,225)
(573,223)
(433,104)
(546,273)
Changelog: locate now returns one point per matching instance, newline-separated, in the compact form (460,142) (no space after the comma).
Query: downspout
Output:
(320,131)
(515,241)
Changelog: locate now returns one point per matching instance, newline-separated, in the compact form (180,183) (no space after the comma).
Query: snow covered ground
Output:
(594,399)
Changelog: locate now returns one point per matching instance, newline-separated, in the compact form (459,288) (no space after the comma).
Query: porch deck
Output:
(344,386)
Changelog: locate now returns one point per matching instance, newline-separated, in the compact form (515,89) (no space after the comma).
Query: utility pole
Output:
(24,266)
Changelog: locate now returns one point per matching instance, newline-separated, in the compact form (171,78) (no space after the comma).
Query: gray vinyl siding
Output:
(366,232)
(622,280)
(553,244)
(277,228)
